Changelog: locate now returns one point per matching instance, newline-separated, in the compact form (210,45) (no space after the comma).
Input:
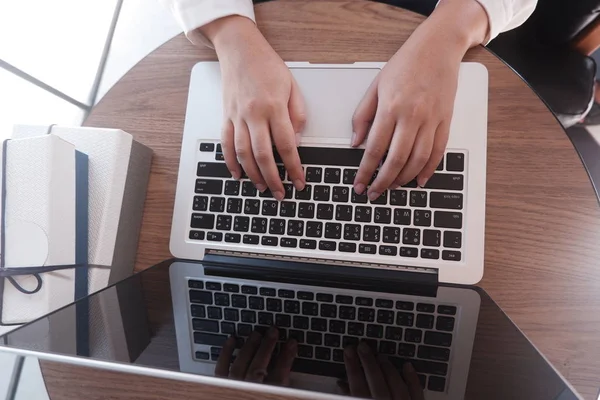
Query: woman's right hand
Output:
(262,105)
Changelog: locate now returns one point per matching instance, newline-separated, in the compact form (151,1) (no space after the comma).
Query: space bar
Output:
(322,368)
(327,156)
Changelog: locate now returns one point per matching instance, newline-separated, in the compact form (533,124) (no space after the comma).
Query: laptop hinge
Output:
(309,270)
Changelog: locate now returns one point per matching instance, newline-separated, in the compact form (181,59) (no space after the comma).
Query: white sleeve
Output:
(192,14)
(504,15)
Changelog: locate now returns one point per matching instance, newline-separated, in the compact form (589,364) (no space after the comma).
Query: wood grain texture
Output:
(542,218)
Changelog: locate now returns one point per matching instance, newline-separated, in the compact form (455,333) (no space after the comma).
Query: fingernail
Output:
(359,188)
(374,196)
(236,175)
(273,333)
(422,182)
(408,367)
(363,348)
(278,195)
(298,184)
(261,187)
(298,139)
(353,141)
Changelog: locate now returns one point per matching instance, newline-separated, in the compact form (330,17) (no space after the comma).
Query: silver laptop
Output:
(417,237)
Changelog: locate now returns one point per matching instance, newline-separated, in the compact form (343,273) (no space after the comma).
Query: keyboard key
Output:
(269,292)
(305,295)
(222,299)
(371,233)
(422,218)
(234,206)
(310,308)
(325,297)
(291,307)
(289,190)
(192,284)
(382,199)
(425,307)
(238,301)
(269,207)
(346,312)
(304,351)
(333,340)
(200,203)
(333,230)
(281,171)
(431,238)
(219,148)
(350,341)
(213,286)
(202,221)
(425,321)
(198,311)
(363,301)
(385,317)
(274,305)
(248,316)
(301,322)
(314,174)
(208,186)
(438,338)
(406,350)
(201,297)
(341,194)
(328,310)
(219,157)
(445,182)
(223,221)
(213,169)
(205,324)
(250,239)
(433,353)
(352,232)
(374,331)
(325,211)
(287,209)
(418,199)
(333,175)
(393,333)
(402,216)
(318,324)
(306,210)
(277,226)
(384,303)
(367,248)
(232,188)
(304,194)
(388,250)
(404,319)
(436,383)
(248,189)
(404,305)
(197,235)
(382,215)
(241,224)
(308,244)
(362,214)
(391,235)
(314,338)
(455,162)
(386,347)
(327,245)
(452,239)
(209,338)
(202,355)
(214,313)
(251,206)
(269,241)
(449,310)
(445,219)
(256,303)
(398,197)
(452,201)
(343,213)
(451,255)
(207,147)
(295,228)
(314,229)
(359,198)
(412,335)
(349,176)
(343,299)
(265,318)
(227,328)
(233,237)
(267,193)
(321,193)
(411,236)
(323,353)
(347,247)
(431,254)
(259,225)
(286,294)
(366,314)
(356,328)
(296,334)
(288,242)
(444,324)
(283,320)
(412,252)
(338,355)
(214,236)
(336,326)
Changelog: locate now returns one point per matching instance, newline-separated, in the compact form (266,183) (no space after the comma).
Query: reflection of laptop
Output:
(436,231)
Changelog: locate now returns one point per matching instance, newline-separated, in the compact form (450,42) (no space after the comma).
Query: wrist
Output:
(225,32)
(461,23)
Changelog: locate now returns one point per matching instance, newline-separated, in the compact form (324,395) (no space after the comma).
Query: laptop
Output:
(416,237)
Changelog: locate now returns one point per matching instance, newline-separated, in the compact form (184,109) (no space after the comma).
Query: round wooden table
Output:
(542,220)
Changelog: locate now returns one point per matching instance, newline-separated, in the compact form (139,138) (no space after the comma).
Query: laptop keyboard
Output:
(328,216)
(323,324)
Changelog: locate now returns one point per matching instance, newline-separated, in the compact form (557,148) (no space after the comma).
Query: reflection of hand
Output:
(380,379)
(253,359)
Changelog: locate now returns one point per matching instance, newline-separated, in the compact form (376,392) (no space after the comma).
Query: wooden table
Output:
(542,221)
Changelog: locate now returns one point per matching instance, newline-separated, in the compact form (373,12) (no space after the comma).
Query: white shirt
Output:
(503,15)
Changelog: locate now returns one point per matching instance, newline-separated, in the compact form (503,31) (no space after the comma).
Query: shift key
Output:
(213,169)
(209,186)
(209,339)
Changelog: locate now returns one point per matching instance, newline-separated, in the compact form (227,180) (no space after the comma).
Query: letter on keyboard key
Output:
(213,169)
(209,186)
(202,221)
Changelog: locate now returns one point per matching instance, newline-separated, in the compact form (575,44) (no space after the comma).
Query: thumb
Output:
(297,110)
(364,114)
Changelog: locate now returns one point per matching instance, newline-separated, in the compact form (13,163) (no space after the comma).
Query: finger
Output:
(344,388)
(228,145)
(364,114)
(398,155)
(356,378)
(377,144)
(437,153)
(283,365)
(297,110)
(398,388)
(376,381)
(257,371)
(419,155)
(262,148)
(412,381)
(240,365)
(283,136)
(245,155)
(222,368)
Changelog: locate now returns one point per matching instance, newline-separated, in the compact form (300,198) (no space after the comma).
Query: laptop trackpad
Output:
(331,95)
